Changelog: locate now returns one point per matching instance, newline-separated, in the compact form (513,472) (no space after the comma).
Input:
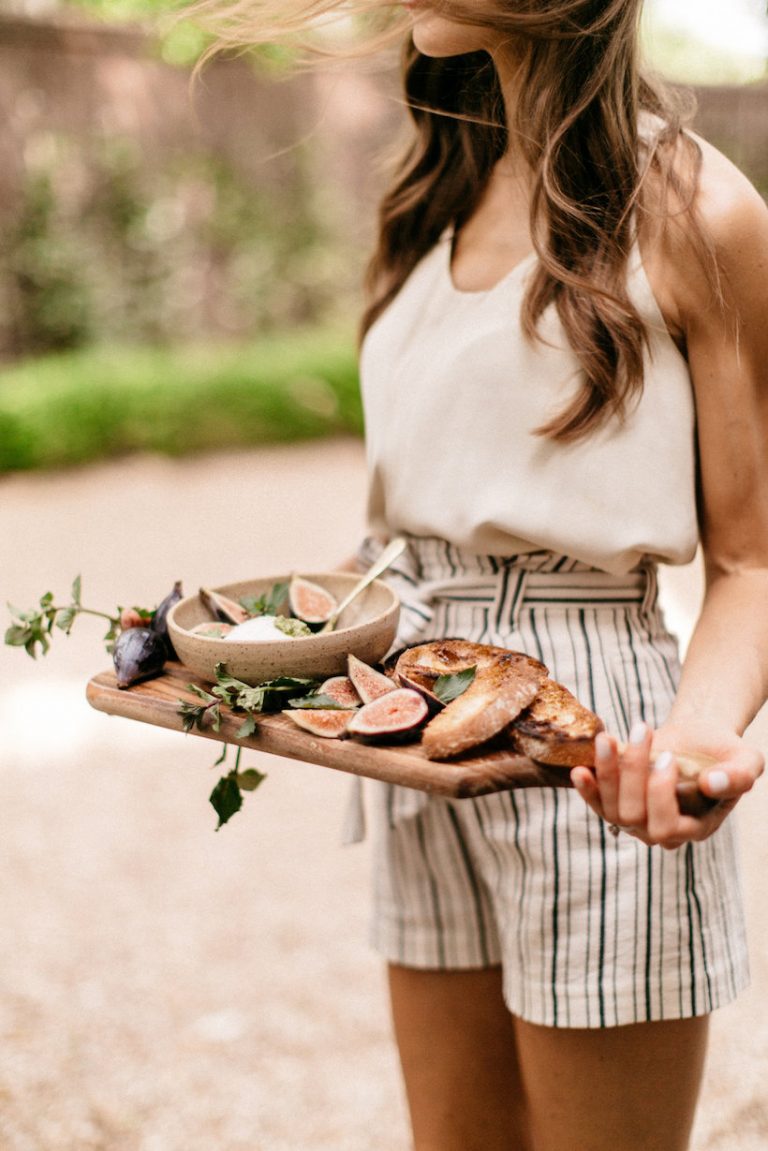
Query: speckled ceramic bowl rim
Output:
(297,642)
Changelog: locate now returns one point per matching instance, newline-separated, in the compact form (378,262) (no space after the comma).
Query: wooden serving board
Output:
(157,701)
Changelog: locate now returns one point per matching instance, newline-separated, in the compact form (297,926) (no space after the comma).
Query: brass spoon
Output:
(393,549)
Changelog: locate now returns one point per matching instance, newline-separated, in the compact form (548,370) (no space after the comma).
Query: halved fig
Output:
(369,683)
(310,602)
(423,684)
(213,629)
(395,715)
(330,723)
(341,690)
(222,607)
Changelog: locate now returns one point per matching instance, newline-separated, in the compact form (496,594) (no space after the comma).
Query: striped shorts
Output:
(590,930)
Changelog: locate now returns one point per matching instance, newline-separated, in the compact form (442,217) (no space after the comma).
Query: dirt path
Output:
(168,989)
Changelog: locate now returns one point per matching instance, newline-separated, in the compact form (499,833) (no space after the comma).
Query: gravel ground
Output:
(169,989)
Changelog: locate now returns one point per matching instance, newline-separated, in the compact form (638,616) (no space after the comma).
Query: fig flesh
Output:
(310,602)
(341,690)
(423,684)
(395,715)
(212,629)
(329,724)
(222,607)
(160,618)
(368,682)
(138,654)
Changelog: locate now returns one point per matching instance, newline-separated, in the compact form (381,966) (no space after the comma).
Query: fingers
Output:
(607,775)
(640,796)
(664,819)
(633,787)
(585,782)
(622,780)
(731,780)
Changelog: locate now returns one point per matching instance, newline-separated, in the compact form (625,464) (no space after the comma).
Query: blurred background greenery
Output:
(180,269)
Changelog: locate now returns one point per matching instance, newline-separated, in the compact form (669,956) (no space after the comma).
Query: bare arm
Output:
(725,677)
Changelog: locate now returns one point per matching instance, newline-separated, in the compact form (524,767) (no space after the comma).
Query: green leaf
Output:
(66,617)
(247,728)
(326,702)
(201,716)
(76,590)
(46,600)
(450,687)
(268,603)
(226,799)
(268,696)
(190,714)
(17,635)
(111,634)
(206,695)
(250,780)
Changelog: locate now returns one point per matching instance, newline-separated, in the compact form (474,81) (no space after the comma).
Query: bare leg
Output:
(458,1052)
(630,1088)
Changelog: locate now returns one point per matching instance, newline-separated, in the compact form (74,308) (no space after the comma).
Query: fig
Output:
(328,723)
(369,683)
(423,684)
(212,629)
(341,690)
(130,617)
(139,653)
(222,607)
(397,714)
(160,618)
(310,602)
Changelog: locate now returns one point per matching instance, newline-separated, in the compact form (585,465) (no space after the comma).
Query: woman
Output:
(564,373)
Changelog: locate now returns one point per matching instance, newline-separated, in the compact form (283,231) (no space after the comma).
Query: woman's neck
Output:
(508,64)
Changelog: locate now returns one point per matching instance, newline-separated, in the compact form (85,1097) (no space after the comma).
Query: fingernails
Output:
(717,782)
(602,746)
(637,734)
(663,761)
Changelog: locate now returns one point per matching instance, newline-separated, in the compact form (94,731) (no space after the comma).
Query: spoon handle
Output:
(393,549)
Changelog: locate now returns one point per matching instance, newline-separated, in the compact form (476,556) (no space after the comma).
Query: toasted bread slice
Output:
(445,657)
(506,682)
(556,729)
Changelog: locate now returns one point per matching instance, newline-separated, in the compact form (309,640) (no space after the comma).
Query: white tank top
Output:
(452,392)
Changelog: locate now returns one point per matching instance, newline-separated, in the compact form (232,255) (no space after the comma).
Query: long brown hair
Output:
(582,95)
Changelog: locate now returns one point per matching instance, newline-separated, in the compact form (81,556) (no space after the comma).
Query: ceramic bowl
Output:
(366,628)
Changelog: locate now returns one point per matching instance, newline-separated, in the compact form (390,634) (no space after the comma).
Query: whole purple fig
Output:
(139,653)
(160,618)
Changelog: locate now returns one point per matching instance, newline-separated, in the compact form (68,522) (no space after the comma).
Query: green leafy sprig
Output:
(268,603)
(450,687)
(226,796)
(320,701)
(33,629)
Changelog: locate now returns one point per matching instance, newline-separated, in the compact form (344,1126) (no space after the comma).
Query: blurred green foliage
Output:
(106,246)
(75,407)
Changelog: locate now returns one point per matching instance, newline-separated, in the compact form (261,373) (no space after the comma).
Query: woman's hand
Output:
(638,796)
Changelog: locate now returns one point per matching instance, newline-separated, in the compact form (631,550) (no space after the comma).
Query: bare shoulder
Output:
(731,210)
(725,238)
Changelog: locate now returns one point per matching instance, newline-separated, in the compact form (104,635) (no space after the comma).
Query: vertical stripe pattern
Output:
(591,931)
